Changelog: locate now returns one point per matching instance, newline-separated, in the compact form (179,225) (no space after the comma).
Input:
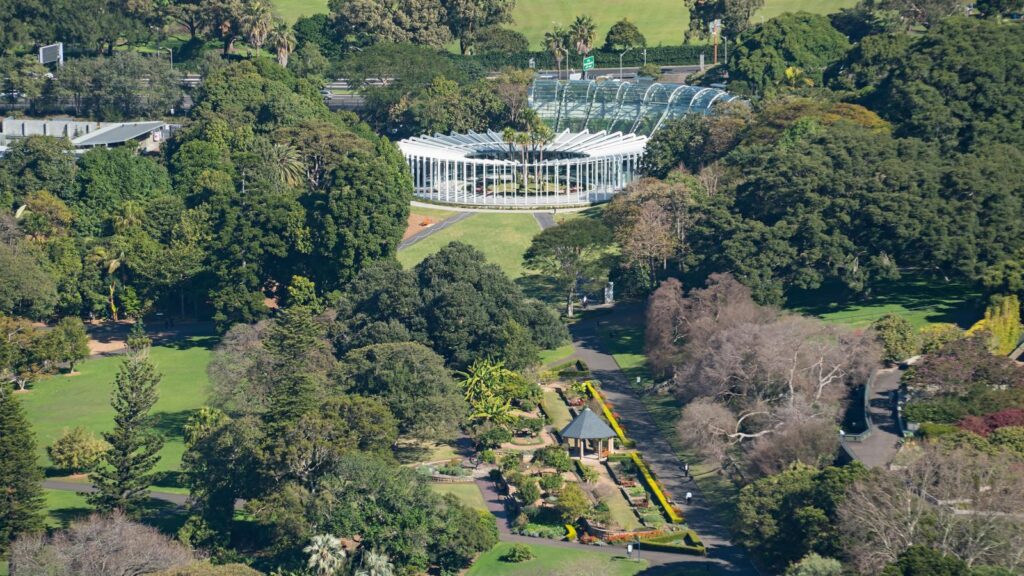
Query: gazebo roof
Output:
(588,426)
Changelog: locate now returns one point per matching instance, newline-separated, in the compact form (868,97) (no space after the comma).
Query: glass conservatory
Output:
(600,128)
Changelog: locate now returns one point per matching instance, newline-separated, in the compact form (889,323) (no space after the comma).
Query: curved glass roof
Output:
(616,106)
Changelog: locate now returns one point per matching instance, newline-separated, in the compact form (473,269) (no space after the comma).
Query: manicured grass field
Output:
(503,238)
(63,402)
(556,354)
(62,507)
(290,10)
(918,298)
(556,409)
(551,561)
(468,494)
(435,214)
(661,21)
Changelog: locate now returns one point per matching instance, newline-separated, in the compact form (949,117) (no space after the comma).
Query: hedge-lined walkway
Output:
(661,563)
(657,452)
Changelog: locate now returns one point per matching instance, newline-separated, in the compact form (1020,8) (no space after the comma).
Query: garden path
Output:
(433,229)
(878,449)
(640,427)
(661,563)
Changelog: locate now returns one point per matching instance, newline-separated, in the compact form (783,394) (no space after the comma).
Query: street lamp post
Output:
(566,51)
(170,52)
(620,61)
(645,56)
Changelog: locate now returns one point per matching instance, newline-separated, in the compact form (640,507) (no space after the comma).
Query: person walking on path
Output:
(686,469)
(689,498)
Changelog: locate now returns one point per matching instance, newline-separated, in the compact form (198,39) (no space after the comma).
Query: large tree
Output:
(21,498)
(573,253)
(799,44)
(125,473)
(413,382)
(466,18)
(365,22)
(959,60)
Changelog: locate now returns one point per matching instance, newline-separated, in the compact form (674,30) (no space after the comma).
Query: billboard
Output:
(52,53)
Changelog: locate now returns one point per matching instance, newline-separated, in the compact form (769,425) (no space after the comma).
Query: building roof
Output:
(117,133)
(588,426)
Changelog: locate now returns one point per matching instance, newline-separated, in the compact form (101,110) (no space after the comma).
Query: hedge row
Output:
(662,55)
(653,485)
(610,416)
(692,543)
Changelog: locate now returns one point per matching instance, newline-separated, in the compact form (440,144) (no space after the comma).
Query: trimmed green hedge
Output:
(662,55)
(686,542)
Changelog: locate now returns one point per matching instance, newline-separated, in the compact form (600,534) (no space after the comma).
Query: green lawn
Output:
(556,409)
(468,494)
(551,561)
(63,402)
(661,21)
(435,214)
(918,298)
(556,354)
(503,238)
(290,10)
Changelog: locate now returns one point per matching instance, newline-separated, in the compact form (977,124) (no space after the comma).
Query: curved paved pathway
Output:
(728,558)
(880,447)
(430,230)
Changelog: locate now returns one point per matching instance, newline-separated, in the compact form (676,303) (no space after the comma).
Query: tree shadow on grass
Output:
(70,514)
(542,288)
(188,343)
(950,301)
(170,424)
(166,517)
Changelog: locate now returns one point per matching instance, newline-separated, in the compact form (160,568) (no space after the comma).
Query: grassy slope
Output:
(661,21)
(290,10)
(503,238)
(549,560)
(84,400)
(468,494)
(920,299)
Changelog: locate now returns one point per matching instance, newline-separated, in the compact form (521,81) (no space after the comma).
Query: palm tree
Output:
(110,260)
(258,20)
(555,42)
(376,564)
(581,33)
(326,556)
(282,39)
(287,163)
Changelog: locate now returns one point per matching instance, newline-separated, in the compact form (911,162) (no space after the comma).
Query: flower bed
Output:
(609,415)
(655,488)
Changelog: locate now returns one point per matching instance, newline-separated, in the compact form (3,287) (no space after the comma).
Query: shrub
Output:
(510,461)
(488,457)
(934,336)
(493,438)
(528,490)
(551,482)
(77,450)
(587,473)
(554,456)
(650,70)
(570,532)
(897,337)
(518,553)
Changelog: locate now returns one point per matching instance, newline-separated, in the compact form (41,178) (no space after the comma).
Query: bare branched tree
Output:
(965,503)
(100,546)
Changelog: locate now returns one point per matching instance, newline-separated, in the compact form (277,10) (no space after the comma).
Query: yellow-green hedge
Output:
(653,485)
(612,420)
(570,532)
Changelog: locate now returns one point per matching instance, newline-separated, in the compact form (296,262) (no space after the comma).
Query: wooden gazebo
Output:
(589,427)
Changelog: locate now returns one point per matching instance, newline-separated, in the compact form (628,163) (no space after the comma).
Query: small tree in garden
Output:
(572,502)
(551,483)
(528,490)
(326,556)
(555,456)
(73,342)
(77,450)
(622,35)
(897,337)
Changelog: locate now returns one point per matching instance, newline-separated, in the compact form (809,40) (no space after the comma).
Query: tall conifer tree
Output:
(20,476)
(125,474)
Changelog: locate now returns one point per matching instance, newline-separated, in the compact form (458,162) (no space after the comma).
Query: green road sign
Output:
(588,63)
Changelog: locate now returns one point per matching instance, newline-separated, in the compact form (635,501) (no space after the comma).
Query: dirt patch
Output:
(417,222)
